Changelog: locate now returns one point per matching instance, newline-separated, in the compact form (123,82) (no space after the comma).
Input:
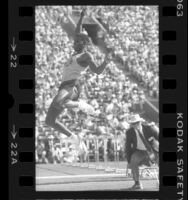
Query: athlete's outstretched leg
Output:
(51,120)
(55,109)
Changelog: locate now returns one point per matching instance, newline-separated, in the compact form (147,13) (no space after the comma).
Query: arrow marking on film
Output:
(13,132)
(13,45)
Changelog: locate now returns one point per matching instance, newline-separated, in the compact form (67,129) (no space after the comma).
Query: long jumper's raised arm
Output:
(79,24)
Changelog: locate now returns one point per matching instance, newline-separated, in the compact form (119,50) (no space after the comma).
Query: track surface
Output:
(59,177)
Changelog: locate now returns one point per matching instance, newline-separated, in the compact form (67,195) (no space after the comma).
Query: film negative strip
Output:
(97,99)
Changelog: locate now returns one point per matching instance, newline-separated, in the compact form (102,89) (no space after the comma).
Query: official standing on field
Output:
(141,147)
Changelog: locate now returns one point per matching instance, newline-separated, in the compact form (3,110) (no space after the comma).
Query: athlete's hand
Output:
(83,12)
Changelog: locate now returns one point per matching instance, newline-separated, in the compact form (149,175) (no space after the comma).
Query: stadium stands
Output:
(135,39)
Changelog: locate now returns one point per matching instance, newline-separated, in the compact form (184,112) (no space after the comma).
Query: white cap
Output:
(135,118)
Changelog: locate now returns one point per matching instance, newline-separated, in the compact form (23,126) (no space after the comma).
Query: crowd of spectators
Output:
(133,31)
(112,94)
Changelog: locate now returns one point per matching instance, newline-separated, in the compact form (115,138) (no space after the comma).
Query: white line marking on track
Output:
(81,176)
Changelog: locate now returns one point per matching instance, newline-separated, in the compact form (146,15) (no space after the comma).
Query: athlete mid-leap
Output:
(68,93)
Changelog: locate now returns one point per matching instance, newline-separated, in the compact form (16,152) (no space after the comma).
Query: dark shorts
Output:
(67,84)
(72,87)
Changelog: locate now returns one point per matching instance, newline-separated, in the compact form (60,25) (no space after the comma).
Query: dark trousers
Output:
(138,158)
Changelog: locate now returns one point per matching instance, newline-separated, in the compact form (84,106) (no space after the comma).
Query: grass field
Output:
(62,177)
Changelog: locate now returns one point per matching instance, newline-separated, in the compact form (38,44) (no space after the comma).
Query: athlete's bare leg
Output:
(56,108)
(64,100)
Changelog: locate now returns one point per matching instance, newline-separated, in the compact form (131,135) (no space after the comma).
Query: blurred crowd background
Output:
(132,35)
